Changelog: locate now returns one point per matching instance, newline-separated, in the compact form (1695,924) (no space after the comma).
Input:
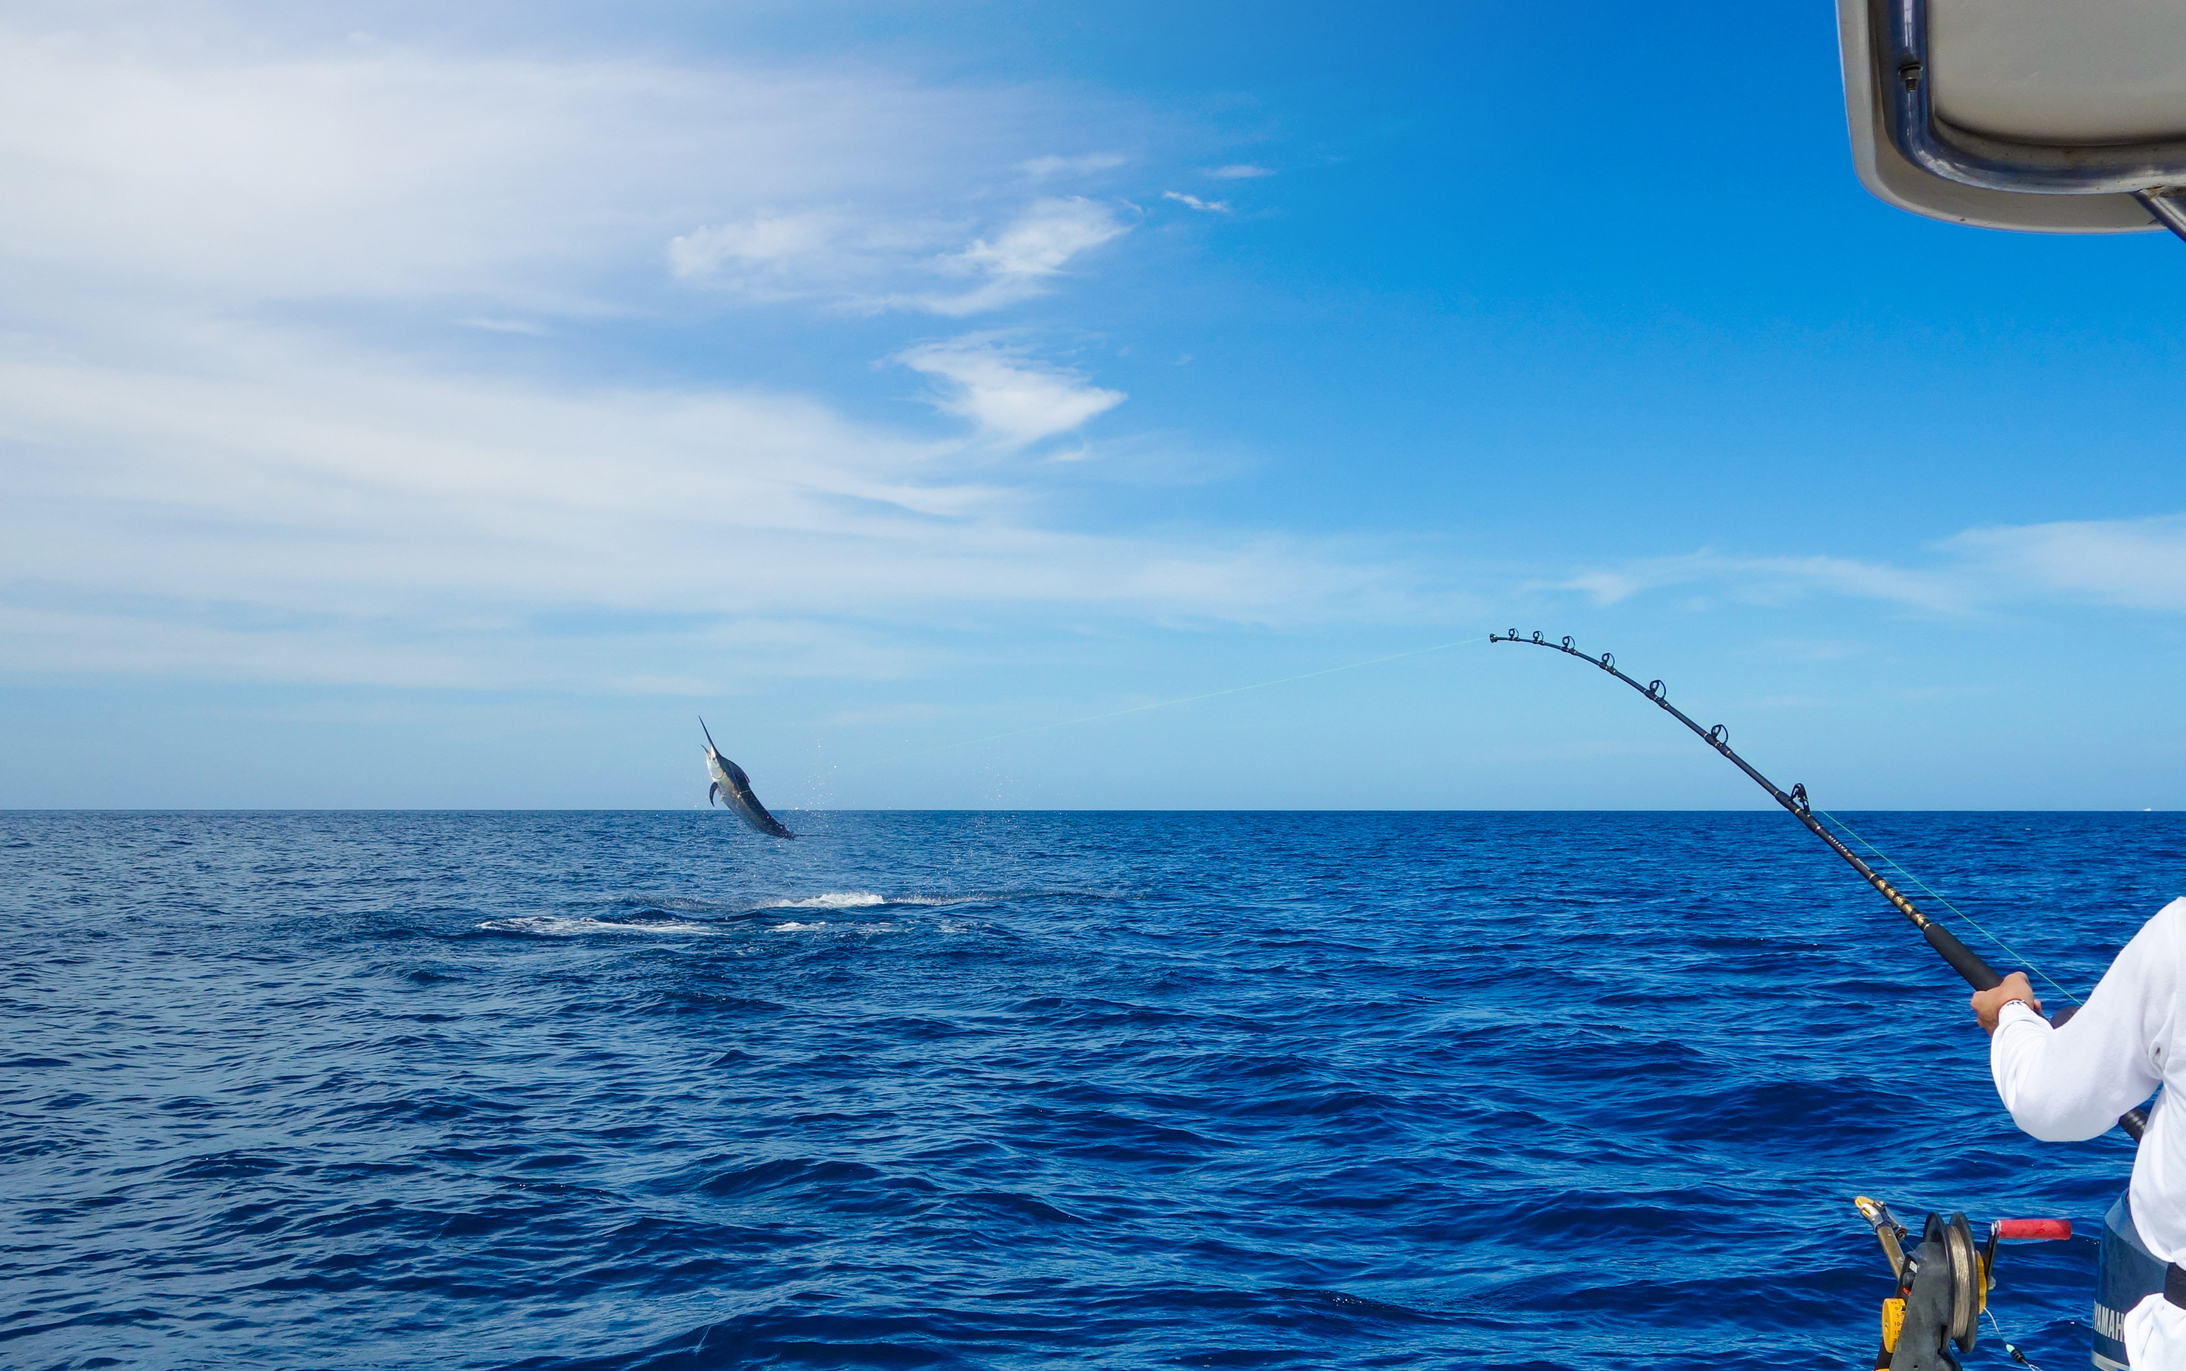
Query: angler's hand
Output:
(1988,1005)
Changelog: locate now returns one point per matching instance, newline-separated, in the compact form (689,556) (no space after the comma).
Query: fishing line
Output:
(1186,700)
(2009,1346)
(2003,946)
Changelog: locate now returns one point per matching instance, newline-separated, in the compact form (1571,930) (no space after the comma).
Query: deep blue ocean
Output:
(1013,1090)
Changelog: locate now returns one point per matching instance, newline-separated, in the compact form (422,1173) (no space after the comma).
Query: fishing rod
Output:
(1963,959)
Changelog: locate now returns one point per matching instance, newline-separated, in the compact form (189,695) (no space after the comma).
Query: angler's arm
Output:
(2069,1084)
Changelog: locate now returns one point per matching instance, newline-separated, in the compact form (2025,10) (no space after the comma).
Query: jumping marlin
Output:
(734,788)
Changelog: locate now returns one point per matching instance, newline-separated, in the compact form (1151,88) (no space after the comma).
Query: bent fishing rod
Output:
(1963,959)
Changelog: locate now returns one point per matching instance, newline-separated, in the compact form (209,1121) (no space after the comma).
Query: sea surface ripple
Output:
(1013,1090)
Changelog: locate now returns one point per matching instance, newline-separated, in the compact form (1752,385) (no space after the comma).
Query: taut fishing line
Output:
(1891,862)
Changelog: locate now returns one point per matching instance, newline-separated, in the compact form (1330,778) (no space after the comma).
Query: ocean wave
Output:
(866,899)
(562,926)
(835,899)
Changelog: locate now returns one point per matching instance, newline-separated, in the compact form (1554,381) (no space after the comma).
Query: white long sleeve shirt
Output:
(2069,1084)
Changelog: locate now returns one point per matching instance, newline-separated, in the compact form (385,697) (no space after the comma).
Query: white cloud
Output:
(1041,168)
(868,264)
(1026,256)
(239,173)
(1240,171)
(530,327)
(1011,398)
(2139,563)
(774,242)
(1771,580)
(2133,563)
(1044,239)
(860,262)
(268,506)
(235,174)
(1194,202)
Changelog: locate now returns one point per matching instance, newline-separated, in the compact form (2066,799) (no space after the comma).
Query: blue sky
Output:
(410,411)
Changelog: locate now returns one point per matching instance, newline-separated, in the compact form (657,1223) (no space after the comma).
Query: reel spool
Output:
(1943,1285)
(1967,1277)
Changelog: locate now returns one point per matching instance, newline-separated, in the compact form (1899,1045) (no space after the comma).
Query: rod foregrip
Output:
(1963,959)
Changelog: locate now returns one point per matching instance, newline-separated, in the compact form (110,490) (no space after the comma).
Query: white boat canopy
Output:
(2054,116)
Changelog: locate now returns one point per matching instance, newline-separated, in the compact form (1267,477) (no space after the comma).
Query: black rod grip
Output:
(1963,959)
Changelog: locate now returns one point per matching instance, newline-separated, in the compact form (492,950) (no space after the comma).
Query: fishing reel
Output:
(1943,1284)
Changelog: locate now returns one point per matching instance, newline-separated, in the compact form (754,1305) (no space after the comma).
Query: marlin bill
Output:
(734,788)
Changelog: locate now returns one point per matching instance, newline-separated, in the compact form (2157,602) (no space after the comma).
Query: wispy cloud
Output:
(1009,396)
(1024,258)
(530,327)
(401,173)
(271,506)
(1239,171)
(1042,168)
(775,245)
(894,263)
(1194,202)
(1768,580)
(2132,563)
(2140,563)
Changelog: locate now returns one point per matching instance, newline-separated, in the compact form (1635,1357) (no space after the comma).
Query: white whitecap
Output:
(550,926)
(866,899)
(834,899)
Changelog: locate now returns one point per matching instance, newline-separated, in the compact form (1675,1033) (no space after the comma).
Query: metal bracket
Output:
(2168,204)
